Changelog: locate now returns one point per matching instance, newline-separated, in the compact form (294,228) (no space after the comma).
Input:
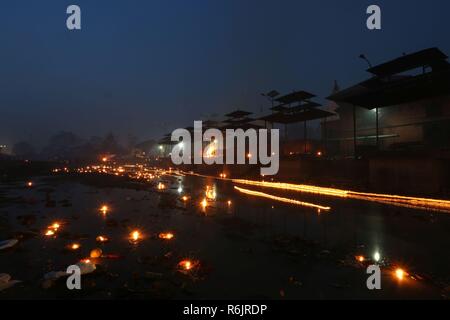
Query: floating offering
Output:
(6,282)
(101,239)
(210,193)
(400,274)
(74,246)
(166,236)
(204,203)
(135,236)
(50,233)
(104,209)
(96,253)
(161,186)
(187,265)
(376,256)
(55,226)
(8,244)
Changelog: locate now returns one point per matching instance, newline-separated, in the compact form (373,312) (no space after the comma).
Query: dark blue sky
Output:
(144,67)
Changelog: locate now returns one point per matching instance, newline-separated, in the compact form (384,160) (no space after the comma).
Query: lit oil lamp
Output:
(135,236)
(96,253)
(187,265)
(185,198)
(210,193)
(161,186)
(376,256)
(360,258)
(54,226)
(104,209)
(101,239)
(74,246)
(229,202)
(204,203)
(29,184)
(400,274)
(49,233)
(166,236)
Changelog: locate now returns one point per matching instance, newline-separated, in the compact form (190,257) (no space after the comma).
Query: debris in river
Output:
(86,266)
(6,282)
(153,275)
(27,219)
(6,244)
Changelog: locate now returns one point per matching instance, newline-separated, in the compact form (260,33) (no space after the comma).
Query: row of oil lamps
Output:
(185,265)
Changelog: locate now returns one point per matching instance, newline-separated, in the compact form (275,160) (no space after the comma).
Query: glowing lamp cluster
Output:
(52,229)
(135,236)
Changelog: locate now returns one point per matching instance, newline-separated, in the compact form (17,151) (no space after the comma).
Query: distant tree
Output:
(23,150)
(131,142)
(110,145)
(63,145)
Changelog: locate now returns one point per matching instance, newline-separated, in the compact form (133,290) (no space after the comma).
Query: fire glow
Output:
(280,199)
(104,209)
(102,239)
(187,265)
(74,246)
(403,201)
(161,186)
(166,236)
(135,236)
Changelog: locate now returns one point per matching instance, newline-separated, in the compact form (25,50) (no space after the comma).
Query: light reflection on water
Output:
(412,237)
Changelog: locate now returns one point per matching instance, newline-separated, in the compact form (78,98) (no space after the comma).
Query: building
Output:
(404,106)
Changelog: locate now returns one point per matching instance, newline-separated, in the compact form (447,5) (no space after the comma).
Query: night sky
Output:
(145,67)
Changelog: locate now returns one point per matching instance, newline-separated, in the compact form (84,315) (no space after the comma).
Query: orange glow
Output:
(187,265)
(204,203)
(185,198)
(161,186)
(249,155)
(210,193)
(30,184)
(360,258)
(229,202)
(135,236)
(285,200)
(54,226)
(319,153)
(102,239)
(104,209)
(403,201)
(74,246)
(96,253)
(104,159)
(166,236)
(400,274)
(50,233)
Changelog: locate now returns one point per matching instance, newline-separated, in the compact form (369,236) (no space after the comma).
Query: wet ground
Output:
(251,248)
